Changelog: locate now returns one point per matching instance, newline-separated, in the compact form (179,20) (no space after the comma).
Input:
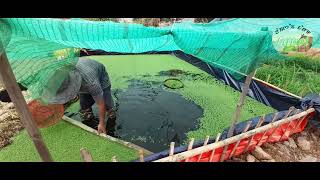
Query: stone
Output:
(283,149)
(303,143)
(260,154)
(309,159)
(250,158)
(292,144)
(270,160)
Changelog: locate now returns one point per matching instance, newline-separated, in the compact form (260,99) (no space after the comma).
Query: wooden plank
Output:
(209,147)
(10,83)
(86,156)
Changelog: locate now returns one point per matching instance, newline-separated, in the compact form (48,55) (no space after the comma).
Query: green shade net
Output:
(42,51)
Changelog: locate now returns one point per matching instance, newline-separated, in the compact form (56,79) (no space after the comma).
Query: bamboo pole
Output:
(209,147)
(238,142)
(214,149)
(261,120)
(94,131)
(141,156)
(237,114)
(10,83)
(273,119)
(171,151)
(190,147)
(205,143)
(114,159)
(86,156)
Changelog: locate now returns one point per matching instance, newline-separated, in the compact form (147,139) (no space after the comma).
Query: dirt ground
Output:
(10,123)
(306,149)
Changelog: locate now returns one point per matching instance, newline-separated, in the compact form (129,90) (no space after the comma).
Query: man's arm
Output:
(102,115)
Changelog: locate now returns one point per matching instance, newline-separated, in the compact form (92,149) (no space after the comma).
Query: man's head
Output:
(68,89)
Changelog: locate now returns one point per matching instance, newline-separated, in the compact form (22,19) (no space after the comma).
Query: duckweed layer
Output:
(218,100)
(64,142)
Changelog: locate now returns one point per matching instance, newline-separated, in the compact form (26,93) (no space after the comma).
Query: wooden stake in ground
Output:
(237,114)
(86,156)
(9,81)
(190,147)
(141,156)
(171,151)
(214,150)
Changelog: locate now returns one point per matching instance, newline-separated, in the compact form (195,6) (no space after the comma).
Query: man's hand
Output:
(102,128)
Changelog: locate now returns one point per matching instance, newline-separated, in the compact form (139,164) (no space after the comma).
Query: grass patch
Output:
(64,141)
(299,74)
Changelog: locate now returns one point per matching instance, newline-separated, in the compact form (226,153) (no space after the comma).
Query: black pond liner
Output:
(4,96)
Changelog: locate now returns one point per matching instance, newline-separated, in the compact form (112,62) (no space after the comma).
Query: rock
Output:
(270,160)
(269,146)
(250,158)
(260,154)
(303,133)
(309,159)
(286,143)
(292,144)
(314,137)
(283,149)
(303,143)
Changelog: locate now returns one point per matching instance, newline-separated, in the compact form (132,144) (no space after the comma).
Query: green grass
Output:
(299,74)
(218,100)
(64,142)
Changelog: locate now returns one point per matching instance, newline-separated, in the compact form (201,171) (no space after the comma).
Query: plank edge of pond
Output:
(95,132)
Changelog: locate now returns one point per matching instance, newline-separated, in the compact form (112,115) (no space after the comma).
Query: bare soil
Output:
(286,151)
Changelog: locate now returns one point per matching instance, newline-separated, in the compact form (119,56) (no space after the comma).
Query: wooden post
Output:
(86,156)
(114,159)
(205,143)
(274,130)
(213,150)
(190,147)
(237,114)
(21,106)
(171,151)
(261,120)
(141,155)
(237,144)
(285,131)
(273,119)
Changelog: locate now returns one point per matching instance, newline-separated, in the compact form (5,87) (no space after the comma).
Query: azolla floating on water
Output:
(173,83)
